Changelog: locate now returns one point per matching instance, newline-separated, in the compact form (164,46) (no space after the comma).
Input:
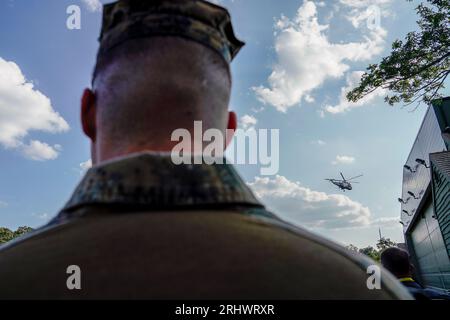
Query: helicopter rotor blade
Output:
(355,177)
(342,176)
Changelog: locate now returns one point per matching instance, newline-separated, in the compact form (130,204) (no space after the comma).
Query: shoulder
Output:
(266,256)
(341,262)
(436,294)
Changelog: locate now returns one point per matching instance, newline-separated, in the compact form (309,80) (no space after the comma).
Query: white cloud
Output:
(40,151)
(344,105)
(3,204)
(318,142)
(366,10)
(93,5)
(314,209)
(343,160)
(309,208)
(387,222)
(320,4)
(306,58)
(309,98)
(257,110)
(248,122)
(362,4)
(86,165)
(24,109)
(43,216)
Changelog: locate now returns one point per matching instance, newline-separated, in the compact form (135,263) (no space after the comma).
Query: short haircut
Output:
(138,81)
(397,261)
(139,47)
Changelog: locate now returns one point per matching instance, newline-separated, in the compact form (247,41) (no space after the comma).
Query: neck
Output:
(107,154)
(178,148)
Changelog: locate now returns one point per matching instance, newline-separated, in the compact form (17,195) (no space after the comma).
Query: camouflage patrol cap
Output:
(196,20)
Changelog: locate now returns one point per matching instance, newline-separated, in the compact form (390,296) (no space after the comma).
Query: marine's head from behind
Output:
(139,226)
(161,66)
(397,261)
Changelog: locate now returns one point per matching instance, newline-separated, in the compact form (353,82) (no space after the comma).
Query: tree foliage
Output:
(385,243)
(8,235)
(371,252)
(352,248)
(418,66)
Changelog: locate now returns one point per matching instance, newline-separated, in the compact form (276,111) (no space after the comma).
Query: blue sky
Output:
(313,50)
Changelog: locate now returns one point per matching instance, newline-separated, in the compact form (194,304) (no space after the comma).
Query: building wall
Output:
(422,230)
(442,111)
(440,166)
(428,140)
(430,251)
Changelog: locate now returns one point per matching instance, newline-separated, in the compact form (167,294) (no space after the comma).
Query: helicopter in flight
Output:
(344,184)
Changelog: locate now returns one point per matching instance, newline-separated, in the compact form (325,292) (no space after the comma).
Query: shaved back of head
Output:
(396,261)
(147,88)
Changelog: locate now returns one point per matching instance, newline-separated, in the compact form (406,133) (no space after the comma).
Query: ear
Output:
(232,121)
(88,113)
(231,127)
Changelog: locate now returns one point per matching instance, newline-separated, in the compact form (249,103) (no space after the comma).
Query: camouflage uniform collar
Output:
(153,181)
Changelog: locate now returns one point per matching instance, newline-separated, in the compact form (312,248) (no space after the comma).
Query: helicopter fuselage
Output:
(343,185)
